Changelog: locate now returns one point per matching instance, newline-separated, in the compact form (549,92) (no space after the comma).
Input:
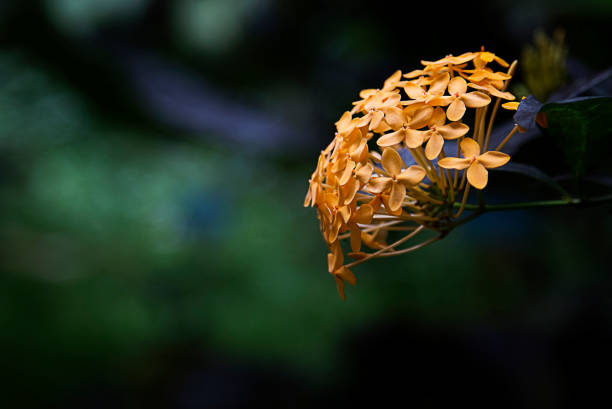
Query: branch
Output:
(575,202)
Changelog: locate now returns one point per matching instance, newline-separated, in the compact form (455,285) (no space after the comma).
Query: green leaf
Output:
(583,129)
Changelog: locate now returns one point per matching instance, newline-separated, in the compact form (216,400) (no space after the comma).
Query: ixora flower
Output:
(475,163)
(376,202)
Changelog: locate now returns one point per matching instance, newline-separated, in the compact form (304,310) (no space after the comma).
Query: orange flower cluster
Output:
(362,187)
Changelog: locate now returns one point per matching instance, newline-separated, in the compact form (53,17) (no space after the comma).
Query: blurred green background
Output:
(154,156)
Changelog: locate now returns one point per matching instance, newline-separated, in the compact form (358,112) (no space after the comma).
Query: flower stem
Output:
(542,203)
(507,138)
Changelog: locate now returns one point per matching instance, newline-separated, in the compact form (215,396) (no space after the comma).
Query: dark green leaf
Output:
(583,129)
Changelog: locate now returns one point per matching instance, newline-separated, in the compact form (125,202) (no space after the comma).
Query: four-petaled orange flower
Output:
(436,134)
(459,98)
(421,97)
(475,163)
(402,125)
(398,179)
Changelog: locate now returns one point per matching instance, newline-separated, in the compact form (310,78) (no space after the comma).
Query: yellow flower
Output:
(314,188)
(402,125)
(459,98)
(475,163)
(493,87)
(483,57)
(377,107)
(335,258)
(419,96)
(436,133)
(363,215)
(398,179)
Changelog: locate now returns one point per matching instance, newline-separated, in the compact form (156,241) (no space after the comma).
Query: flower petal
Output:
(381,128)
(455,110)
(421,117)
(414,73)
(437,118)
(396,197)
(391,99)
(493,159)
(364,173)
(481,74)
(411,176)
(414,138)
(364,214)
(346,275)
(476,99)
(358,151)
(344,123)
(348,172)
(364,120)
(392,80)
(308,200)
(492,90)
(457,86)
(392,162)
(454,163)
(438,86)
(434,146)
(380,184)
(339,164)
(486,56)
(477,175)
(340,287)
(470,148)
(365,93)
(453,130)
(414,91)
(377,117)
(394,117)
(513,106)
(355,238)
(335,257)
(391,139)
(440,101)
(375,204)
(500,61)
(345,213)
(396,212)
(350,190)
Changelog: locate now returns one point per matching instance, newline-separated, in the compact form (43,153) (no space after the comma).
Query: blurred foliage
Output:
(544,64)
(83,17)
(212,26)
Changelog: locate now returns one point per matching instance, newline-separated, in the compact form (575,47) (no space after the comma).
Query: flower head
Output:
(385,173)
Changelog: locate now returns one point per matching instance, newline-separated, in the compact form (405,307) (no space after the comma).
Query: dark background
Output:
(154,156)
